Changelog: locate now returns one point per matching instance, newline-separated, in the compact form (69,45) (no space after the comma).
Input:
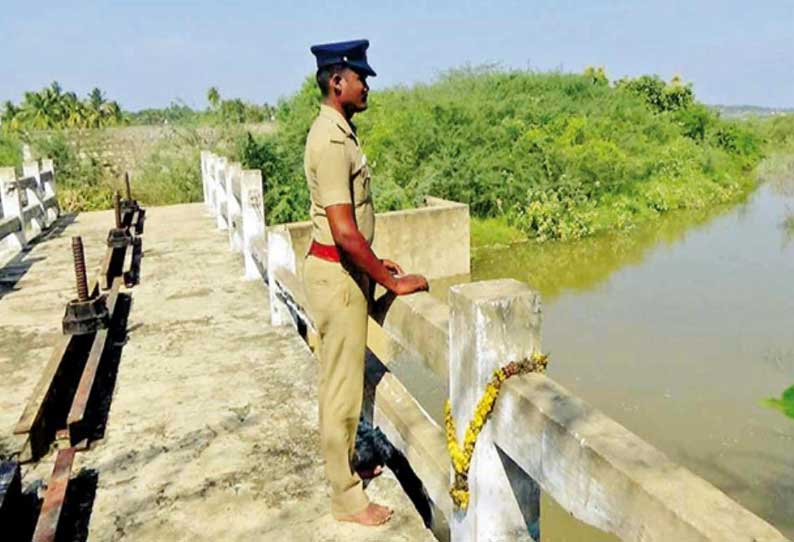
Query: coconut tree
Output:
(34,111)
(9,112)
(213,97)
(111,113)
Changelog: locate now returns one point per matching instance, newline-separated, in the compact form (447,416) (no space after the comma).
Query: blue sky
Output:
(146,53)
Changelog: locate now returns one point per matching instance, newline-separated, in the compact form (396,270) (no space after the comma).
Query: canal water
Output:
(679,331)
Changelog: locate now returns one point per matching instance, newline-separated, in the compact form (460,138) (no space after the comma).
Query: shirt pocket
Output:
(361,180)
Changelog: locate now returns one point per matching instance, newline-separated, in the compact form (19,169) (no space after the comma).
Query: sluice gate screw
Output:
(117,208)
(79,268)
(127,185)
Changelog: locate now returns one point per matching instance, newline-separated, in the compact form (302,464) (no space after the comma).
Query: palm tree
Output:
(111,113)
(9,112)
(96,101)
(34,111)
(213,97)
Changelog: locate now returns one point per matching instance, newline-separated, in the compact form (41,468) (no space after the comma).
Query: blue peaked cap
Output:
(352,53)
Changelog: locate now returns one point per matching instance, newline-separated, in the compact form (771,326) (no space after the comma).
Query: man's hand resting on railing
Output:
(408,284)
(405,284)
(349,240)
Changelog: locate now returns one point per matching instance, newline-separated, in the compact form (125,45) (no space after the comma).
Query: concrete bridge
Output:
(197,420)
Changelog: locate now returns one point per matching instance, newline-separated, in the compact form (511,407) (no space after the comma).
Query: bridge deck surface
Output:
(212,431)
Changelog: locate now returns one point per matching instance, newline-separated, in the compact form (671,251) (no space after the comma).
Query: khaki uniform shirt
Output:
(337,172)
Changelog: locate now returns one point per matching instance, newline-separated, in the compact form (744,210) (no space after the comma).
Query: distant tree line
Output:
(51,108)
(219,111)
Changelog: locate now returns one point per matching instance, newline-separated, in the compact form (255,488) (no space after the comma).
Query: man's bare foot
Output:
(374,514)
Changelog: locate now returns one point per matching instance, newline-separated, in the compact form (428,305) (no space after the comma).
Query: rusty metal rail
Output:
(54,498)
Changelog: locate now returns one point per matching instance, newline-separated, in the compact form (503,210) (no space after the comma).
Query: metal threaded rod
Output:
(79,268)
(117,208)
(127,185)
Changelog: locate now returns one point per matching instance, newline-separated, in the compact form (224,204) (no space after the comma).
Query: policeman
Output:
(341,268)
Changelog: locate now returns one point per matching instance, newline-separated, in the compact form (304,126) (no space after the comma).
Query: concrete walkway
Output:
(212,432)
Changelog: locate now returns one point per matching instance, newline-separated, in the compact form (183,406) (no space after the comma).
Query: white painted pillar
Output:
(11,198)
(220,193)
(253,217)
(233,206)
(280,255)
(204,167)
(211,175)
(491,323)
(31,169)
(47,165)
(48,183)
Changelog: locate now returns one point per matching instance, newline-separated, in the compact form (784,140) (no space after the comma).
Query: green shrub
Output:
(559,156)
(83,185)
(171,174)
(10,151)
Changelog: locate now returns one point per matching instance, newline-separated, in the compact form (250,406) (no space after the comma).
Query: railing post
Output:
(47,166)
(220,193)
(233,207)
(280,255)
(49,186)
(212,192)
(491,323)
(35,195)
(11,197)
(205,156)
(253,217)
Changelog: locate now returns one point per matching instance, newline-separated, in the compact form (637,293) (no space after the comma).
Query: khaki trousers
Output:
(338,303)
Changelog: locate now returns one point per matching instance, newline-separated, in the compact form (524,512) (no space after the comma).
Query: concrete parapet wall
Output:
(431,240)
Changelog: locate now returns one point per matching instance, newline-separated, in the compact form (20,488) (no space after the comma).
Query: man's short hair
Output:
(325,74)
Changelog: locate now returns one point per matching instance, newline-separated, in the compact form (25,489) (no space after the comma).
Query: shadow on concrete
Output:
(27,514)
(16,268)
(526,492)
(78,505)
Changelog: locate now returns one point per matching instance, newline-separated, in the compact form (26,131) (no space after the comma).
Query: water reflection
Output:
(554,268)
(678,331)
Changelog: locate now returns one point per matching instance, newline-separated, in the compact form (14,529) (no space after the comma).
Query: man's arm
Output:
(347,237)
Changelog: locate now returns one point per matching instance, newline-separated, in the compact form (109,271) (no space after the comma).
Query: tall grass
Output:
(168,175)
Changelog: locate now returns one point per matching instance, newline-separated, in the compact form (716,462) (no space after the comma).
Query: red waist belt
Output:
(324,252)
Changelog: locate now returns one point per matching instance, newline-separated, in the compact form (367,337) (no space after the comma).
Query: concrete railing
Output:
(234,196)
(28,203)
(539,436)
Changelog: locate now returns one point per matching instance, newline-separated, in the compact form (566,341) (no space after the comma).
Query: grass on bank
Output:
(491,231)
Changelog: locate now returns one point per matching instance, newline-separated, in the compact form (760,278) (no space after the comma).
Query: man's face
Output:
(353,90)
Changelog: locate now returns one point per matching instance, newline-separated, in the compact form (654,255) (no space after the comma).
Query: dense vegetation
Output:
(557,156)
(59,125)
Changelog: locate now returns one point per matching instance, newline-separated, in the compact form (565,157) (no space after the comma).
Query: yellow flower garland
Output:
(461,457)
